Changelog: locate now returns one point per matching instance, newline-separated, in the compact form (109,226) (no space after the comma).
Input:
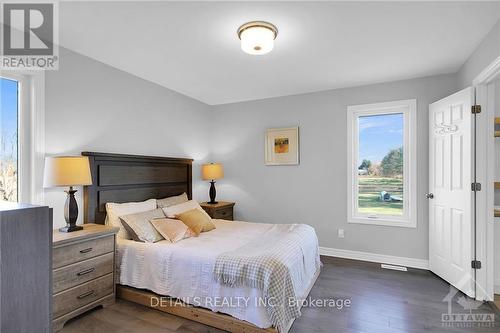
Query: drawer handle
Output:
(87,294)
(224,213)
(87,271)
(86,250)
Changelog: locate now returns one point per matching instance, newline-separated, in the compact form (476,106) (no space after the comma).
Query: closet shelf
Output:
(497,120)
(497,185)
(497,213)
(497,134)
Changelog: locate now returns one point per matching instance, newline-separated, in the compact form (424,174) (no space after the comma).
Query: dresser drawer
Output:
(69,276)
(74,298)
(69,254)
(224,213)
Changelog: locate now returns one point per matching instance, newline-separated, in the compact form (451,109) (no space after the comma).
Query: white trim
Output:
(488,74)
(409,109)
(38,137)
(375,257)
(485,168)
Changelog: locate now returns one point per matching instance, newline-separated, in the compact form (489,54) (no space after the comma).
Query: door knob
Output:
(430,195)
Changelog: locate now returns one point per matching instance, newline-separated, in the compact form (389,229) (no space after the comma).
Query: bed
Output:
(178,278)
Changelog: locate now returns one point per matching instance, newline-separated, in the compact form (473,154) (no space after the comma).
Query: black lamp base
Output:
(70,228)
(212,193)
(71,212)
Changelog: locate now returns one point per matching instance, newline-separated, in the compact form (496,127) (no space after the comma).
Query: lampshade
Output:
(66,171)
(257,37)
(212,171)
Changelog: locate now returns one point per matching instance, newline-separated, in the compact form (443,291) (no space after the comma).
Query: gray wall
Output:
(92,106)
(487,51)
(315,191)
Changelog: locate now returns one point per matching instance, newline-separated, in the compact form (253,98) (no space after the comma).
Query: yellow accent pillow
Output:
(196,220)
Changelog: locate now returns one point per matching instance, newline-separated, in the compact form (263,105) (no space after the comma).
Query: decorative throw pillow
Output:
(172,211)
(173,230)
(196,221)
(171,201)
(115,210)
(139,226)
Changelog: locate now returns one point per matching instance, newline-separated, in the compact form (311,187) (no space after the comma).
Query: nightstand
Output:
(222,210)
(82,271)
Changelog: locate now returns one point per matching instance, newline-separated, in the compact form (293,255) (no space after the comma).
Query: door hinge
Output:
(476,109)
(476,264)
(476,187)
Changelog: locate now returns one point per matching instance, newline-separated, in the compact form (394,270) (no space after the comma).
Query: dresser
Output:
(221,210)
(83,271)
(25,270)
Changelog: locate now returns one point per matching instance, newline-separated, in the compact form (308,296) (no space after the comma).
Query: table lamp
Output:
(212,172)
(63,171)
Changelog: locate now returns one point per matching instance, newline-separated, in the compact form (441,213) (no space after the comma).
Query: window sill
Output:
(383,221)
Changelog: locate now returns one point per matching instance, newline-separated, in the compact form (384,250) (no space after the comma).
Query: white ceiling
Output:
(192,47)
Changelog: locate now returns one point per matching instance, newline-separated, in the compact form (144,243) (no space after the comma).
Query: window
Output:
(9,115)
(382,163)
(21,136)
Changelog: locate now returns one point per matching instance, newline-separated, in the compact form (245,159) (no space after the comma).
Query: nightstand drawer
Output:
(221,210)
(76,297)
(224,213)
(69,254)
(81,272)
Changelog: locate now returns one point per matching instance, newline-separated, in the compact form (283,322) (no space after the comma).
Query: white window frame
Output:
(409,109)
(31,134)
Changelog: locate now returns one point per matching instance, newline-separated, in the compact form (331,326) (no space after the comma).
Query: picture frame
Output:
(282,146)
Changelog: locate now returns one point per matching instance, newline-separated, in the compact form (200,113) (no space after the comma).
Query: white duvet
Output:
(185,270)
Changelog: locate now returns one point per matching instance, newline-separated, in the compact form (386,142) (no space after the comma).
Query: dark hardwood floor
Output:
(381,301)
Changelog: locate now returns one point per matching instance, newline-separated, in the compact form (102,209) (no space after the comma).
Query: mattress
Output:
(184,270)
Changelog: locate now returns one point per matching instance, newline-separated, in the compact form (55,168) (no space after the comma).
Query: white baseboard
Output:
(375,257)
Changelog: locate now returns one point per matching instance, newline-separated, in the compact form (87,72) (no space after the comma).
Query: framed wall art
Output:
(282,146)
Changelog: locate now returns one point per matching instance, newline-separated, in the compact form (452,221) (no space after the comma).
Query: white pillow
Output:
(117,210)
(171,201)
(174,210)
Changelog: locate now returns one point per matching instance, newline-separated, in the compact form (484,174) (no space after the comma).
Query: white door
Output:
(450,197)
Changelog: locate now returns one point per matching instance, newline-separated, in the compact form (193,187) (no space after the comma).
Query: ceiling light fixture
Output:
(257,37)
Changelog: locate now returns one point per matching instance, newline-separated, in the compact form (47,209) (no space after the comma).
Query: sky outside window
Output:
(378,135)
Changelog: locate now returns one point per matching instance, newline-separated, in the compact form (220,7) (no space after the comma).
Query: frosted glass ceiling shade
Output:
(66,171)
(257,37)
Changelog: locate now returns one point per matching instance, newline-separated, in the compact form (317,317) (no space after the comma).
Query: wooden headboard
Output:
(127,178)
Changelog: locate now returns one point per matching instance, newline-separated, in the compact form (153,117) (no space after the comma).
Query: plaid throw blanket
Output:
(280,261)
